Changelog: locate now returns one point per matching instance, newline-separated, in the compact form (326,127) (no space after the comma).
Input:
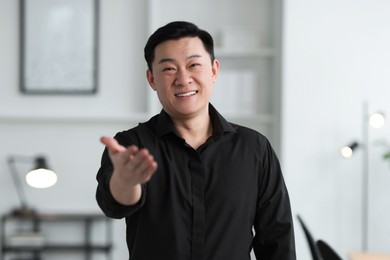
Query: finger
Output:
(146,170)
(133,150)
(147,166)
(148,173)
(112,144)
(143,157)
(150,170)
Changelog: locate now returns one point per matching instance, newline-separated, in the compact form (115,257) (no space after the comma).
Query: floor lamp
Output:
(375,120)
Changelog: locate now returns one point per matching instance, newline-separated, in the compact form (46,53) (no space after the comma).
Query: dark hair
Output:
(174,31)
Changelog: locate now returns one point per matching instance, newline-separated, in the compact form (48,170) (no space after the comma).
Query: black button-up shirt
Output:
(213,203)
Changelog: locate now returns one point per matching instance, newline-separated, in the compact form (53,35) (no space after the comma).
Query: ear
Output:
(150,78)
(215,69)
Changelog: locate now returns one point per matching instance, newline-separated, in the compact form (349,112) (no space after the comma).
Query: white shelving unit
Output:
(42,236)
(247,44)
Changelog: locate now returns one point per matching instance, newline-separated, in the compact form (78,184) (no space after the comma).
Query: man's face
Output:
(183,76)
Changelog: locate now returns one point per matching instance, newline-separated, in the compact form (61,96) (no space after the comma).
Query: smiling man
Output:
(190,184)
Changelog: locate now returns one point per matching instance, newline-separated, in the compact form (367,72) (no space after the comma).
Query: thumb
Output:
(112,145)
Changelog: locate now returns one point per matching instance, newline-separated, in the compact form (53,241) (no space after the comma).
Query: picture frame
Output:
(59,46)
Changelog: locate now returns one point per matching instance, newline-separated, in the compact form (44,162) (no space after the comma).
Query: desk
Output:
(81,228)
(369,256)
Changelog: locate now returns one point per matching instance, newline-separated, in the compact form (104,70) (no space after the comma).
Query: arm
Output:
(274,238)
(131,168)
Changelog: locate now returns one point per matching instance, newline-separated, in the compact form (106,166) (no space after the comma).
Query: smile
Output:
(191,93)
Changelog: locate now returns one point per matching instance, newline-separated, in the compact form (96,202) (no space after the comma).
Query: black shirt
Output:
(214,203)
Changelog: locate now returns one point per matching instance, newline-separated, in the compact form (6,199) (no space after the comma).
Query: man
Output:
(190,184)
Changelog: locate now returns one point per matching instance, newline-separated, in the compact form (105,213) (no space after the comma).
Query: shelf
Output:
(83,119)
(265,119)
(55,216)
(24,234)
(247,39)
(141,117)
(47,248)
(244,53)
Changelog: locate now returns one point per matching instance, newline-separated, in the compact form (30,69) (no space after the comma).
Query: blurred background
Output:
(305,73)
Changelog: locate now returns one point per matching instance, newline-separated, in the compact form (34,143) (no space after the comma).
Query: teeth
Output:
(186,94)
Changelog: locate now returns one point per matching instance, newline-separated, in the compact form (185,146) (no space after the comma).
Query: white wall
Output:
(336,56)
(67,128)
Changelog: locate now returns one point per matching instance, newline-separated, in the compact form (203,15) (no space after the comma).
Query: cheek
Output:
(209,79)
(163,85)
(164,79)
(160,83)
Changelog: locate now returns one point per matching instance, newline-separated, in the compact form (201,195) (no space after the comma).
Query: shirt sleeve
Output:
(274,232)
(104,198)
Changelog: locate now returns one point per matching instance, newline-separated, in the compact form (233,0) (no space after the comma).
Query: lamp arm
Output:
(17,182)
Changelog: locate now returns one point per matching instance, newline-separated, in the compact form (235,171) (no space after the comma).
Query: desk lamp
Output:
(39,177)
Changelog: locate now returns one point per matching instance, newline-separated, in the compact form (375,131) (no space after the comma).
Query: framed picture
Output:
(59,46)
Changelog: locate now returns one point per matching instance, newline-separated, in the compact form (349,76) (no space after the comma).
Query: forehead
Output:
(182,46)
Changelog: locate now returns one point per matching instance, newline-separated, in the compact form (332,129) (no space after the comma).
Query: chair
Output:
(319,250)
(326,251)
(315,253)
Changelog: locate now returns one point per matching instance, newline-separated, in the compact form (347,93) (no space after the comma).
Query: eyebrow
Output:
(170,59)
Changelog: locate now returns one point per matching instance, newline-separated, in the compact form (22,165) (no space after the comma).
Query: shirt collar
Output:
(164,124)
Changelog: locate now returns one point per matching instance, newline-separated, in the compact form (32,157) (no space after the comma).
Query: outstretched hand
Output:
(132,167)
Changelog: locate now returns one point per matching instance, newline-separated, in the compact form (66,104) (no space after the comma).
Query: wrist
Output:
(123,193)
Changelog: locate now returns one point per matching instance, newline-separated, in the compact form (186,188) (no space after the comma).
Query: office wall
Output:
(67,128)
(336,56)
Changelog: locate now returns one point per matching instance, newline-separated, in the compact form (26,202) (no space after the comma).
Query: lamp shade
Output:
(347,150)
(41,176)
(377,120)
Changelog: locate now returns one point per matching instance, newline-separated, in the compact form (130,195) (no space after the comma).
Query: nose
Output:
(183,78)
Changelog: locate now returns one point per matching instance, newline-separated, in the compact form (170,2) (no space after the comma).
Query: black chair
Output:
(315,252)
(326,251)
(319,250)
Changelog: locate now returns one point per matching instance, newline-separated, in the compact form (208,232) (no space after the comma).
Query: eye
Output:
(168,69)
(193,65)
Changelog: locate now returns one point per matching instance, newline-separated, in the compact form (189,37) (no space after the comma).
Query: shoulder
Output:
(249,133)
(250,139)
(138,135)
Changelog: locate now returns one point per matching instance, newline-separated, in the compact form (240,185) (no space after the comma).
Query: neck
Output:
(195,131)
